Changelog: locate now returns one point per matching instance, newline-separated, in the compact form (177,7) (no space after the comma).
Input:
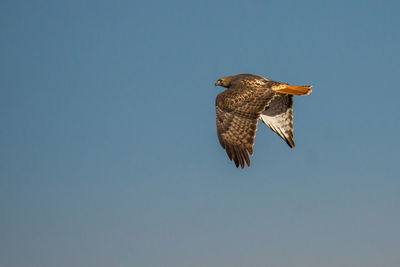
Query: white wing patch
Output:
(279,117)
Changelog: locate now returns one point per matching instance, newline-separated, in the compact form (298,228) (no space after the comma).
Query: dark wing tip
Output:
(291,143)
(288,139)
(239,155)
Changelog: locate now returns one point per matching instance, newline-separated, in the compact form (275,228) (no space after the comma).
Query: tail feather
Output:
(292,89)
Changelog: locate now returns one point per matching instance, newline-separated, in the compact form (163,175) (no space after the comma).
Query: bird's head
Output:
(224,81)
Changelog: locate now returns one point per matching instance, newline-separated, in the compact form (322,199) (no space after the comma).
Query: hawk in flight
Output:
(250,98)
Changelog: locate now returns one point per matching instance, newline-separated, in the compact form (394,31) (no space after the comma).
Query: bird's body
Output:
(250,98)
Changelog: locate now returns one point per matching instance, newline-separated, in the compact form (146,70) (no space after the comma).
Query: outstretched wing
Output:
(279,117)
(238,111)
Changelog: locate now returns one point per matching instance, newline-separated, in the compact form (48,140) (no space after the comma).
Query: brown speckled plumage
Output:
(248,99)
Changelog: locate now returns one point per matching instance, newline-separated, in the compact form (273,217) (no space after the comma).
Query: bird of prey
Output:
(250,98)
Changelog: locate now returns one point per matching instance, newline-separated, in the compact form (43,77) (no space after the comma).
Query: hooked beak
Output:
(217,83)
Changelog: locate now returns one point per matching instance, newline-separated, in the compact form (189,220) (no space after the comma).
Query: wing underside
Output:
(279,117)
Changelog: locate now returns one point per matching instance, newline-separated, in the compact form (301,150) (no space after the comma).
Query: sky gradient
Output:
(109,154)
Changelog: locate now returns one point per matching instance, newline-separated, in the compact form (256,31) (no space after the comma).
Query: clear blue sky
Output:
(109,154)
